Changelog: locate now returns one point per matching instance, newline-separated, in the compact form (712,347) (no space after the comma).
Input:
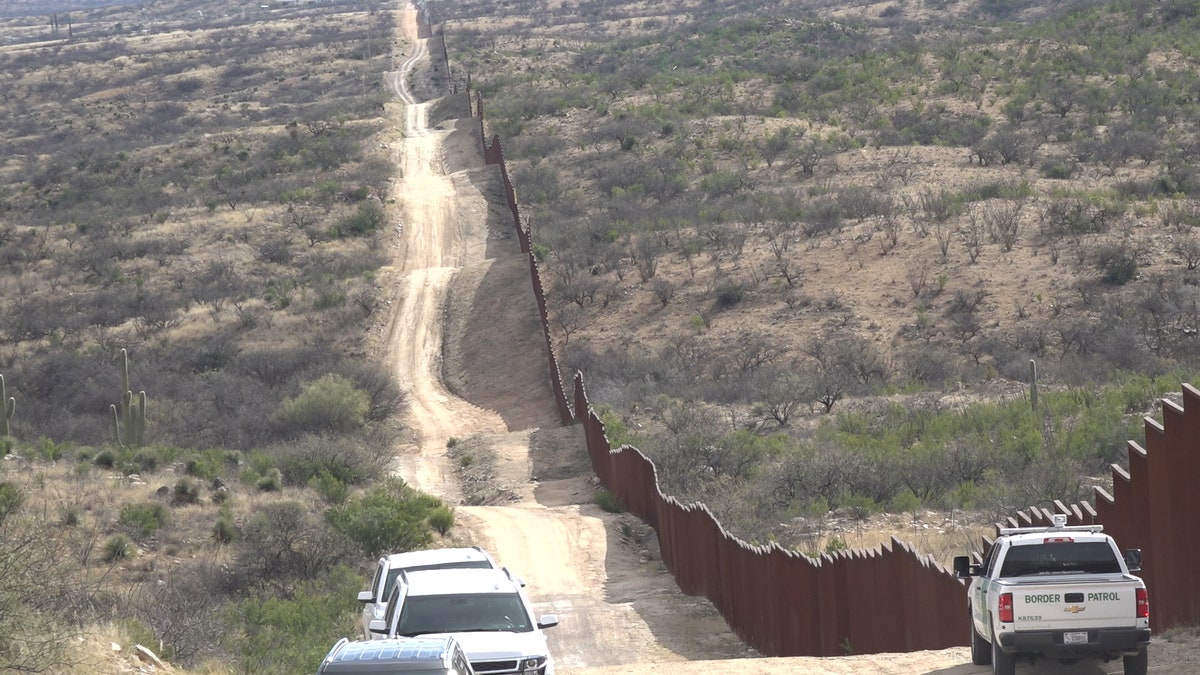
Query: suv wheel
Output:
(981,651)
(1003,664)
(1138,663)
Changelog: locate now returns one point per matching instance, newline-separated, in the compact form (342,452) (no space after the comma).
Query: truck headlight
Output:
(533,666)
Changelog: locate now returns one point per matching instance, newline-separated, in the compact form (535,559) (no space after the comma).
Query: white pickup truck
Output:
(1059,592)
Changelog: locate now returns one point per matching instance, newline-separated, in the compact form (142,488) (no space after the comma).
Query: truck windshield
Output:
(1060,558)
(463,613)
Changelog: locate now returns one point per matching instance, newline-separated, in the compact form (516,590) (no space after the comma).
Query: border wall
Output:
(890,599)
(1152,507)
(778,601)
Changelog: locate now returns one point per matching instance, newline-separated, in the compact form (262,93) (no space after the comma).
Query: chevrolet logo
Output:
(1074,609)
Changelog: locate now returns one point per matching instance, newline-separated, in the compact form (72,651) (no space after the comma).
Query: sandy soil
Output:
(461,303)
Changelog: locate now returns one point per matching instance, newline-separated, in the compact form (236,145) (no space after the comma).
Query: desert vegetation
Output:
(814,256)
(196,445)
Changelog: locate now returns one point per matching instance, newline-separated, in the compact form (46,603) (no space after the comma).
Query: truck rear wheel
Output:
(981,651)
(1003,664)
(1138,663)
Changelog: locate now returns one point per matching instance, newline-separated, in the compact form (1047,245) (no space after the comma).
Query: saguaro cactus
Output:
(10,407)
(128,425)
(1033,392)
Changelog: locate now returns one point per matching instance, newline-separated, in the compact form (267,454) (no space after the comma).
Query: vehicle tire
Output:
(981,651)
(1138,663)
(1003,664)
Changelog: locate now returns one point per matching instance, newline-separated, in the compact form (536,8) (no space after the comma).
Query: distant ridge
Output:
(16,8)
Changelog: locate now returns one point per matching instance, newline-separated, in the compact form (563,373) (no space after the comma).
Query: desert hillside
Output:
(804,255)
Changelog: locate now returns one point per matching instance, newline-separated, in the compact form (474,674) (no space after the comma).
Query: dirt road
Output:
(619,611)
(551,535)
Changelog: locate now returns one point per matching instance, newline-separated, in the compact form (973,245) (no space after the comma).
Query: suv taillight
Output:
(1143,604)
(1006,608)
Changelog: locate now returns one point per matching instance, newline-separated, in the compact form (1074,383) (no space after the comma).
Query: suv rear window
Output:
(1093,557)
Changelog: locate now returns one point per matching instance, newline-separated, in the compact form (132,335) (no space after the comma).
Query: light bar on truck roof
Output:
(1060,525)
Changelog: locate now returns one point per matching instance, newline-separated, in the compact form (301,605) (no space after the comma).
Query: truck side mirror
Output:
(1133,559)
(963,567)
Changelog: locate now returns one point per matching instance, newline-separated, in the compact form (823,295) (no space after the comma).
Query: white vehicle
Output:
(486,611)
(389,568)
(414,656)
(1058,592)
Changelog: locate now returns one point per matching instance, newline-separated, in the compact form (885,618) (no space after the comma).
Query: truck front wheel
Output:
(1138,663)
(981,651)
(1003,664)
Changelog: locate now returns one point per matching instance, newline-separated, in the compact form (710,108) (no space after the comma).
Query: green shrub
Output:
(1058,169)
(858,507)
(331,404)
(729,293)
(271,482)
(357,194)
(259,462)
(328,296)
(140,520)
(835,544)
(332,490)
(224,531)
(283,542)
(366,219)
(11,499)
(389,517)
(289,634)
(105,458)
(118,547)
(351,458)
(905,501)
(607,501)
(965,496)
(1117,263)
(205,466)
(187,491)
(70,516)
(146,460)
(441,519)
(51,451)
(615,428)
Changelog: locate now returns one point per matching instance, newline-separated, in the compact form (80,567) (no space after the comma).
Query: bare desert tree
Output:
(785,394)
(1004,222)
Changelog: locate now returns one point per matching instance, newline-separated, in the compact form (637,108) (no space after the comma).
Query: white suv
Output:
(414,656)
(389,568)
(487,611)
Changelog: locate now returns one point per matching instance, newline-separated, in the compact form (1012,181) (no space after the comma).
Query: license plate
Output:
(1075,638)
